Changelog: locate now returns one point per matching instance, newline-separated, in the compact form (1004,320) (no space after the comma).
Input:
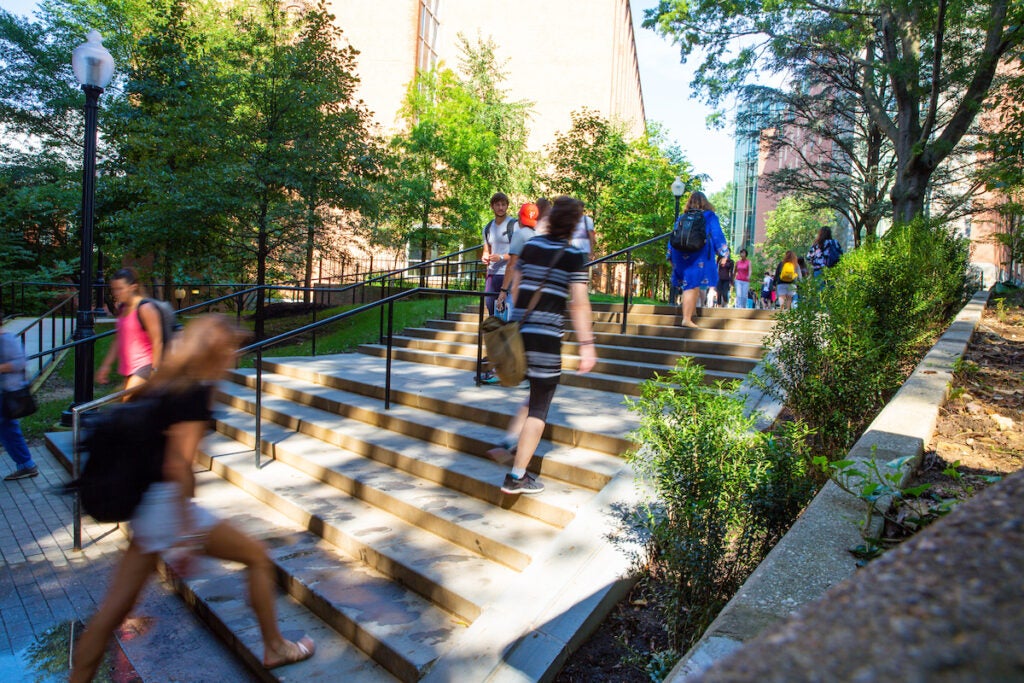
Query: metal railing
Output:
(386,338)
(64,312)
(628,252)
(76,459)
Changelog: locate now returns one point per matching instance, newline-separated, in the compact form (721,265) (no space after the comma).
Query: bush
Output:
(854,337)
(723,492)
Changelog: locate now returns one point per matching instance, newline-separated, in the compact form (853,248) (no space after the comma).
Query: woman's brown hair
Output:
(698,201)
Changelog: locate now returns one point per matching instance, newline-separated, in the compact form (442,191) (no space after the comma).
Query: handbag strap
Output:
(536,295)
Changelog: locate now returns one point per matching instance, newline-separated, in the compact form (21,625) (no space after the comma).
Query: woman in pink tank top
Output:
(139,340)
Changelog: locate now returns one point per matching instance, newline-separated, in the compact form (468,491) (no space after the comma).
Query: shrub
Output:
(723,492)
(854,337)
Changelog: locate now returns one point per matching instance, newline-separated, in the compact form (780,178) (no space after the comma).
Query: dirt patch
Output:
(623,646)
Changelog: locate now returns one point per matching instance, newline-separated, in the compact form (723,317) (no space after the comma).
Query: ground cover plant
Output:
(722,494)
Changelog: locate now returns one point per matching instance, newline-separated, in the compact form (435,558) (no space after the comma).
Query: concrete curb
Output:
(814,555)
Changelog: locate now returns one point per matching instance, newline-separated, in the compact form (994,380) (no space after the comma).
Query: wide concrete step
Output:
(608,375)
(632,356)
(666,343)
(354,613)
(665,328)
(429,445)
(669,309)
(453,577)
(717,322)
(591,420)
(497,534)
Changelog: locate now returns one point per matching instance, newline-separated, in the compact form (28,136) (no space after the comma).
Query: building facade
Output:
(562,55)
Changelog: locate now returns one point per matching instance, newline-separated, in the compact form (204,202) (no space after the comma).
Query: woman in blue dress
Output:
(696,269)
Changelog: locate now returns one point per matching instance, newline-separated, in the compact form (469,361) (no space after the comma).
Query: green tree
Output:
(792,225)
(935,62)
(464,141)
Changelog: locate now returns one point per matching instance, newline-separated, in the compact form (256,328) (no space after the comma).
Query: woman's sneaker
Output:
(526,484)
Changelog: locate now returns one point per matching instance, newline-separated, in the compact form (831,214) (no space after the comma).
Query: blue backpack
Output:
(832,252)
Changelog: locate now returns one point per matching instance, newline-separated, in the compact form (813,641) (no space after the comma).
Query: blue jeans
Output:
(14,443)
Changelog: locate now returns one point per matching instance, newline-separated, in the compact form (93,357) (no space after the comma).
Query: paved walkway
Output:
(45,586)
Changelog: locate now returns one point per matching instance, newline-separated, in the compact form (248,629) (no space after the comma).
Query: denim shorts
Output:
(156,523)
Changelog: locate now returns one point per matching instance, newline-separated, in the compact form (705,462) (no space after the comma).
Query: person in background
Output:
(584,237)
(824,253)
(726,272)
(139,343)
(787,274)
(742,279)
(555,268)
(698,270)
(768,291)
(532,217)
(167,517)
(12,377)
(497,236)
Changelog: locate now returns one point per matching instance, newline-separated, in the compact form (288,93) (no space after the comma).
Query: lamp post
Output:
(678,188)
(93,67)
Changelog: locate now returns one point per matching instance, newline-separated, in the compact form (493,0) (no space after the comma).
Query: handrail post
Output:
(387,363)
(76,425)
(480,341)
(629,290)
(313,343)
(259,404)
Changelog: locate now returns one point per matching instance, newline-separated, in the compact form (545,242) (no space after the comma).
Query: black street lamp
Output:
(93,67)
(678,188)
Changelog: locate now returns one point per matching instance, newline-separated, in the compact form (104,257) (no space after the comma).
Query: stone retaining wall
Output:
(814,554)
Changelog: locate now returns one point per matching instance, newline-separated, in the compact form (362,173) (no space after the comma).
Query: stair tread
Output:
(600,463)
(388,615)
(364,417)
(584,412)
(600,345)
(445,565)
(492,531)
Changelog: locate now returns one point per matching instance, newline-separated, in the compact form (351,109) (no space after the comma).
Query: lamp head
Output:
(92,62)
(678,187)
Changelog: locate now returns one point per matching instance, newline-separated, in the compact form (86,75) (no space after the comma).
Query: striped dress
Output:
(543,328)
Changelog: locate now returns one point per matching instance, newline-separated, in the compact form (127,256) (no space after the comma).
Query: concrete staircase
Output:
(394,546)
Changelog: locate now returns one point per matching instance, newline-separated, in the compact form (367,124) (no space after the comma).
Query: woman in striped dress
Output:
(550,263)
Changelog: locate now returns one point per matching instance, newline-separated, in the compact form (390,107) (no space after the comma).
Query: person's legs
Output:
(129,578)
(742,291)
(493,283)
(689,299)
(14,443)
(228,543)
(541,393)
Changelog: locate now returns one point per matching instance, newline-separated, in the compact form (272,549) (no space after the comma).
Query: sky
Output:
(666,87)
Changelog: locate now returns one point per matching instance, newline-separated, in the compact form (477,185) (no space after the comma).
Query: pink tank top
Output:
(743,270)
(134,349)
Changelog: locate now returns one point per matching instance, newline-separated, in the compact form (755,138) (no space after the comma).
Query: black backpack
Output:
(690,232)
(169,323)
(123,447)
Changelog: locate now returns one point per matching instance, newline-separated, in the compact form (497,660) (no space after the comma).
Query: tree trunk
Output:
(310,236)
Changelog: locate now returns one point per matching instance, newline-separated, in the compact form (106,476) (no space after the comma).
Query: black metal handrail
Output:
(65,310)
(389,301)
(628,289)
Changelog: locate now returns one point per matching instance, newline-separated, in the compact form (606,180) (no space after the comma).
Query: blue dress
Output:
(700,268)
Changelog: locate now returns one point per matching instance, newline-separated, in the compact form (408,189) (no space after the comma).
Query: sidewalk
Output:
(45,585)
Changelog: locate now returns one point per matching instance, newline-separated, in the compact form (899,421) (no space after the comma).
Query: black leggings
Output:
(541,393)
